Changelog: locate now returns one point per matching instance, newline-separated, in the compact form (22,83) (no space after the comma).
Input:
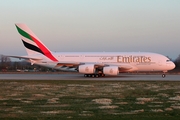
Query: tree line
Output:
(7,65)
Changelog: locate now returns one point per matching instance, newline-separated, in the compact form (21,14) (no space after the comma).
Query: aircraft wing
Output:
(75,64)
(68,64)
(122,67)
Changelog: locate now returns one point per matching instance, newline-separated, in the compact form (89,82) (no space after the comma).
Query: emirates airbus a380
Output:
(91,64)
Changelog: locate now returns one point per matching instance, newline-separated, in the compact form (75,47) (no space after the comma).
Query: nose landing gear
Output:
(163,75)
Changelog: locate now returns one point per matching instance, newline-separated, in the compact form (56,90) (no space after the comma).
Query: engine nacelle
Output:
(111,70)
(87,69)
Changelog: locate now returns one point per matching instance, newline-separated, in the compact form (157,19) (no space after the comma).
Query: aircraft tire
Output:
(85,75)
(93,75)
(97,75)
(163,75)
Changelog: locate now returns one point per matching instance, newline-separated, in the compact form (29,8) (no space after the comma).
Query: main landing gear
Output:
(94,75)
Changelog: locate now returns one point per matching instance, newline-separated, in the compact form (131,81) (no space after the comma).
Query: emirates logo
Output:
(111,71)
(87,69)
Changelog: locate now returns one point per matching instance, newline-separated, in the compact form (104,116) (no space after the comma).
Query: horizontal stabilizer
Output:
(25,57)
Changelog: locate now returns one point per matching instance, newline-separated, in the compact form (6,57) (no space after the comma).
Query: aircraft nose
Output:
(172,65)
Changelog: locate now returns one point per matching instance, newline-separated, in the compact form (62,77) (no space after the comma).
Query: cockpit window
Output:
(168,60)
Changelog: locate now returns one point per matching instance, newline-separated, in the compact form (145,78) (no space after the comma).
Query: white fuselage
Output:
(136,61)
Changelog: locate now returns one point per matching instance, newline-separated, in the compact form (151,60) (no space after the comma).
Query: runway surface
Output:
(54,76)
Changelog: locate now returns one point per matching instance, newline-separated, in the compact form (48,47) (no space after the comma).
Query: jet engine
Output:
(111,70)
(87,69)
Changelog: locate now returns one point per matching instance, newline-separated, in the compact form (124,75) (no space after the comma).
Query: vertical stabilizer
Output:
(32,43)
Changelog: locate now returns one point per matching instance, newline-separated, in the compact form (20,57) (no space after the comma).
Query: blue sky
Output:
(93,25)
